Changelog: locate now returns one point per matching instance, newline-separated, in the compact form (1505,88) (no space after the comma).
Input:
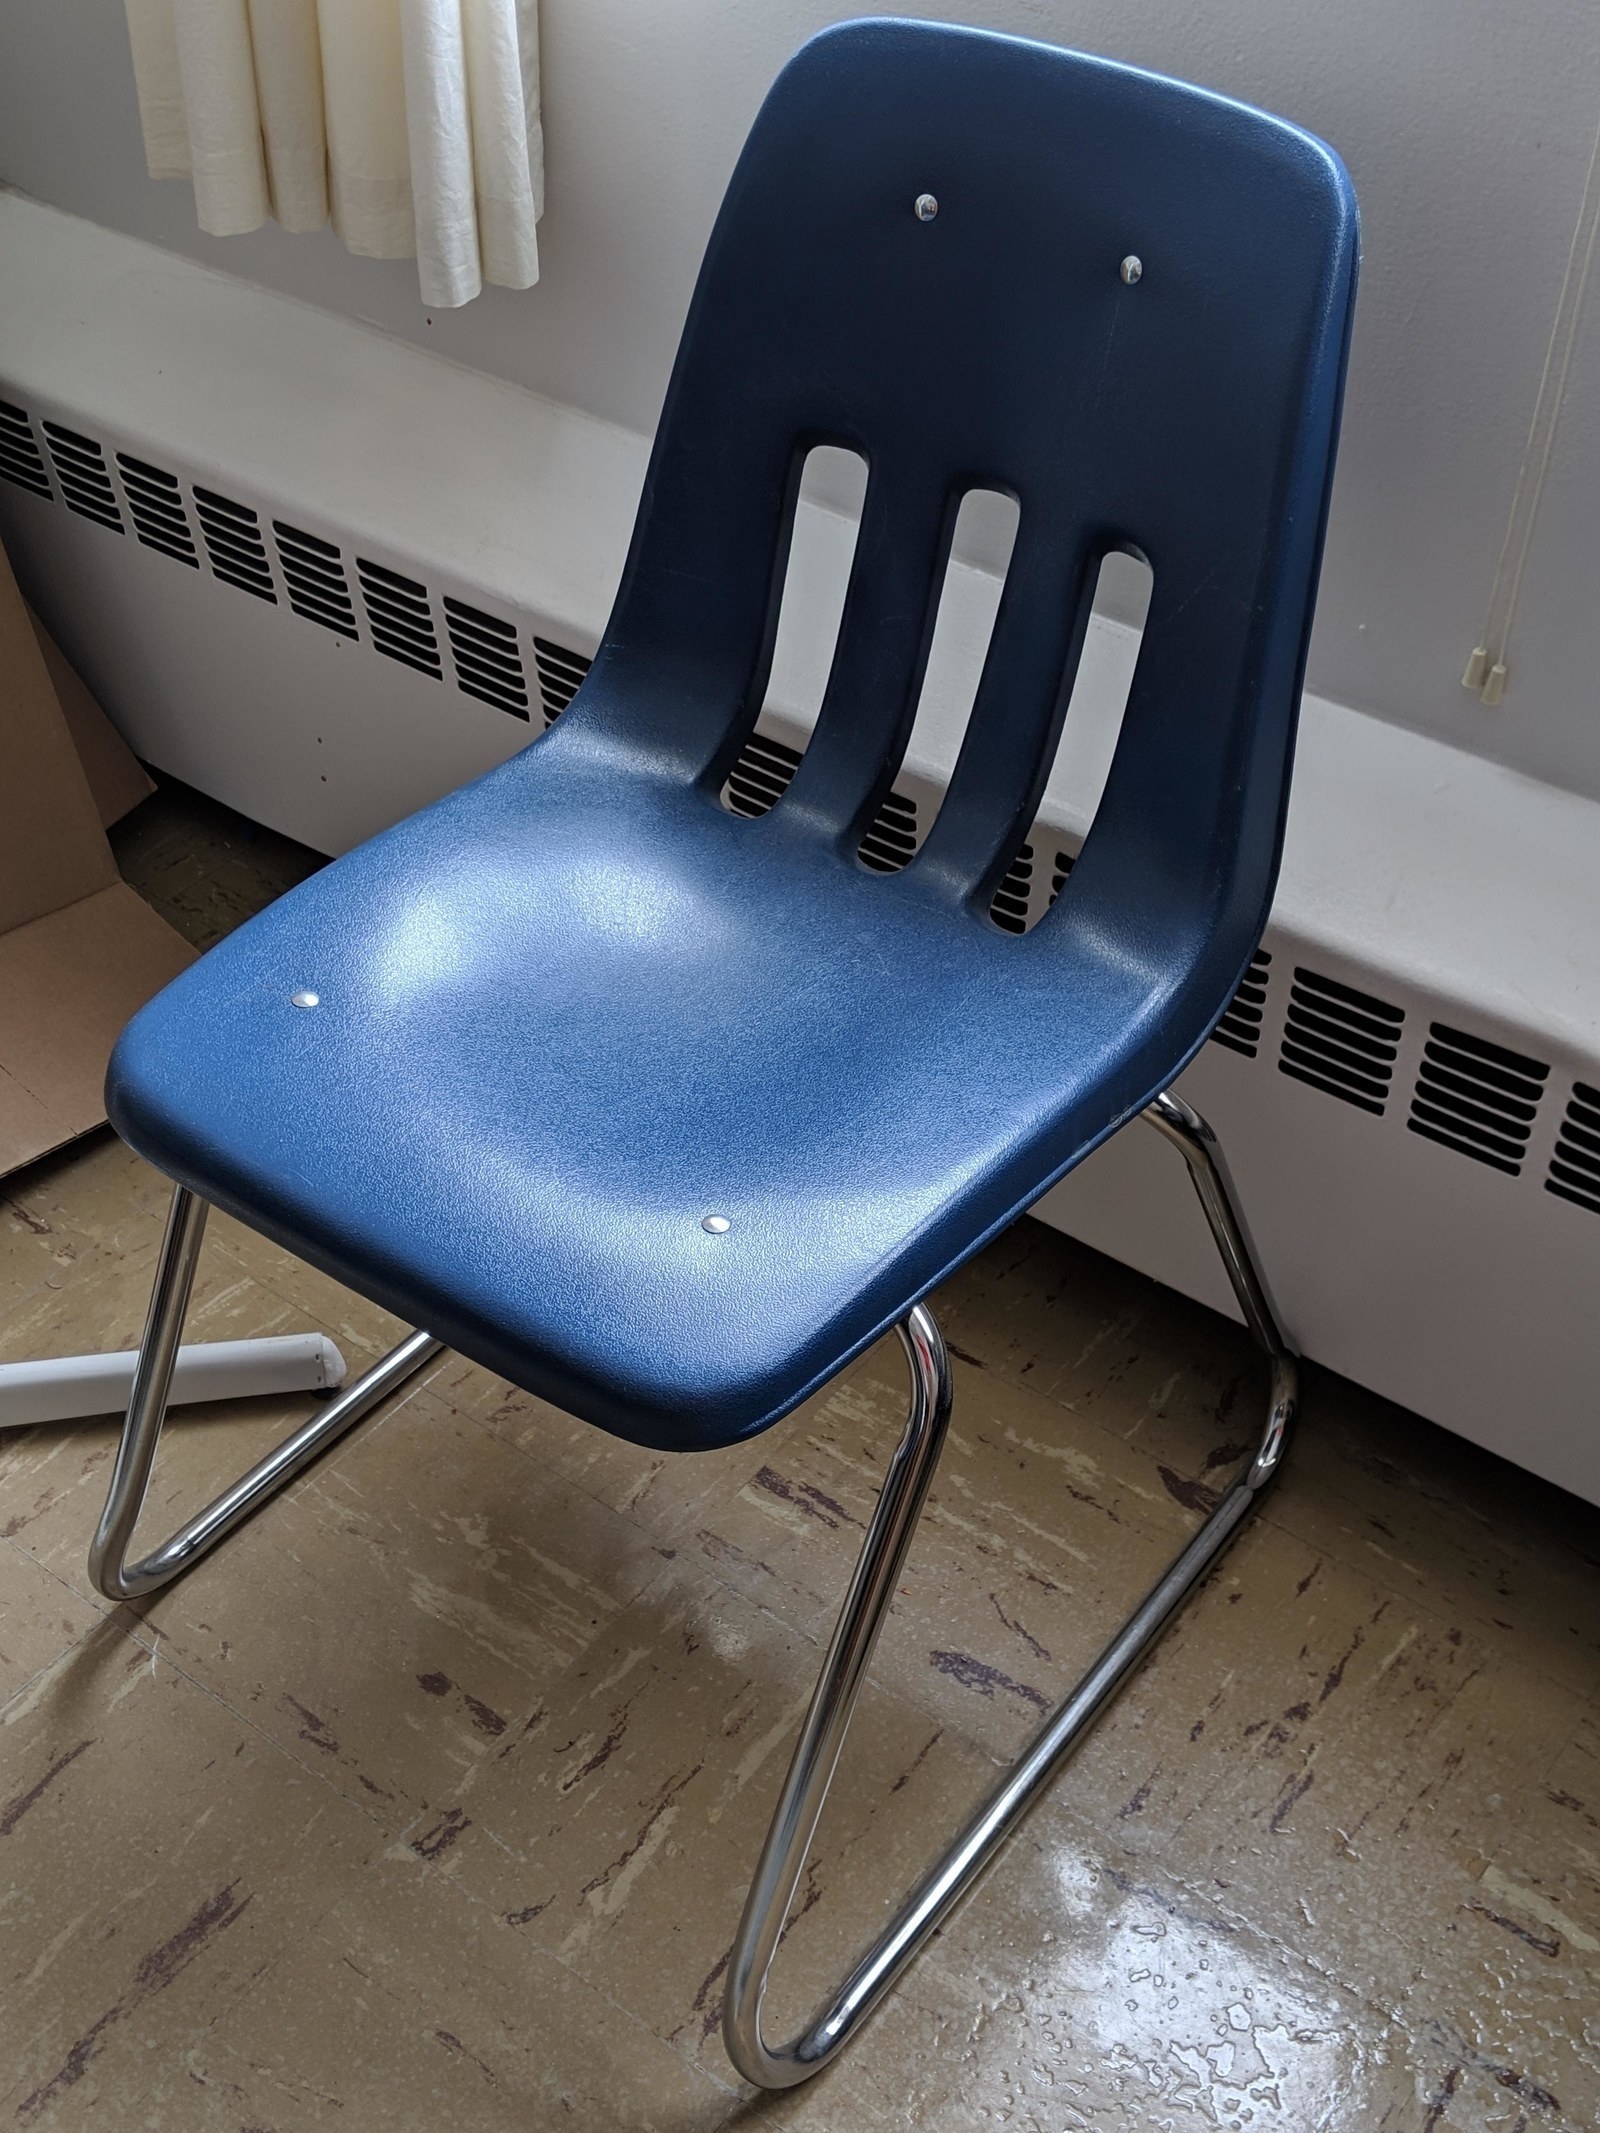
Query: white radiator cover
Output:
(1446,889)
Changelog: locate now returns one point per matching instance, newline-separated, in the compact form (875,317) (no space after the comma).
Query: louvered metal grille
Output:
(892,839)
(234,547)
(1477,1097)
(156,504)
(561,675)
(399,617)
(487,656)
(1340,1040)
(21,460)
(760,778)
(1575,1166)
(85,480)
(313,571)
(1240,1027)
(1471,1096)
(1010,906)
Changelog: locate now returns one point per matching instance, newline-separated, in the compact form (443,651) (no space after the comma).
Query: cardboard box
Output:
(79,949)
(117,778)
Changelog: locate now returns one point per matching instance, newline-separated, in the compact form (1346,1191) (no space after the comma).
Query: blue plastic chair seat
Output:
(574,1009)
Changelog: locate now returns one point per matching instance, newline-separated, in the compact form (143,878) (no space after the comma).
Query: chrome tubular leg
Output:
(1181,1124)
(783,1858)
(822,1736)
(109,1567)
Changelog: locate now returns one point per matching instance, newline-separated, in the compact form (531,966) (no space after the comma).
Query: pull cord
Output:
(1486,671)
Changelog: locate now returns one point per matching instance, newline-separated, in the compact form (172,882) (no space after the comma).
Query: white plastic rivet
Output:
(926,207)
(719,1225)
(304,999)
(1131,268)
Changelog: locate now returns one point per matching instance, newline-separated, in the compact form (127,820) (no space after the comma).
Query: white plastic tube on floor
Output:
(66,1387)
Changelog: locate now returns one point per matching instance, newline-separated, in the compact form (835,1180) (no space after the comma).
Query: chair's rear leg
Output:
(1181,1124)
(872,1586)
(109,1567)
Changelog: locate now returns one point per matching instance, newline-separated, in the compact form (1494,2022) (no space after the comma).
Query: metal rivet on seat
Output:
(1131,268)
(719,1225)
(926,207)
(305,999)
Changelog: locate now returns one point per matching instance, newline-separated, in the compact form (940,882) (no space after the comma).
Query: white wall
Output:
(1466,124)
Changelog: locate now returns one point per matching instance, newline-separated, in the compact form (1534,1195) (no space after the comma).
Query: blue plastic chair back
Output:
(1189,418)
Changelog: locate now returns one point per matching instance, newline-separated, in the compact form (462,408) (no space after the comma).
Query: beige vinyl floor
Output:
(430,1801)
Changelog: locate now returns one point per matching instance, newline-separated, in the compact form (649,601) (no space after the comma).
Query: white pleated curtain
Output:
(413,125)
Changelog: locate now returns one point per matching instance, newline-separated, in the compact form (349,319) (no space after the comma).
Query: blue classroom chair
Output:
(665,1114)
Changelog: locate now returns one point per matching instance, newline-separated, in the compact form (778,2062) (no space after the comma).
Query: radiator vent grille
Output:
(487,656)
(1575,1166)
(1472,1097)
(232,534)
(1010,906)
(313,570)
(760,778)
(561,675)
(399,617)
(892,839)
(1240,1027)
(156,504)
(1476,1097)
(81,470)
(21,460)
(1340,1040)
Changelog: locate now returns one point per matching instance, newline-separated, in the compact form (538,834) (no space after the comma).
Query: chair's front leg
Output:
(883,1551)
(109,1568)
(816,1753)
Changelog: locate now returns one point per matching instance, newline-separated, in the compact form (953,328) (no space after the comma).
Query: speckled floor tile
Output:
(1036,1539)
(158,1852)
(481,1579)
(40,1618)
(1077,1994)
(619,1832)
(1140,1362)
(1289,1751)
(412,2007)
(1494,1552)
(1510,1990)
